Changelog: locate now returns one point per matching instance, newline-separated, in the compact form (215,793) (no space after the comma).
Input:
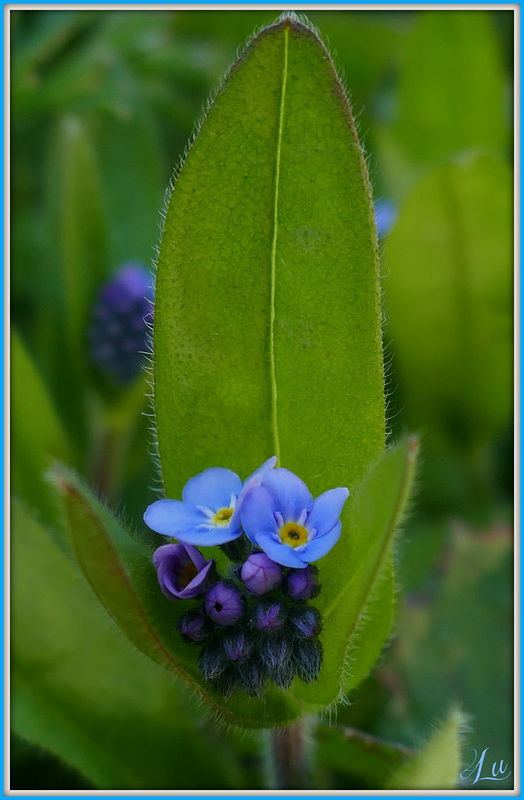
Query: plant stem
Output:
(290,750)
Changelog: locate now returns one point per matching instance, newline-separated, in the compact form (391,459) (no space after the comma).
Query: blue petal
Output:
(168,517)
(290,493)
(258,513)
(208,538)
(326,510)
(212,488)
(255,479)
(321,545)
(279,552)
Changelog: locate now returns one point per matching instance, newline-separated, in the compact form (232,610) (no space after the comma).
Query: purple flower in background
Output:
(385,216)
(281,517)
(182,571)
(118,330)
(224,604)
(209,512)
(260,574)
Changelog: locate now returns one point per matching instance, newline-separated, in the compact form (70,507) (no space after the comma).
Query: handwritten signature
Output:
(480,768)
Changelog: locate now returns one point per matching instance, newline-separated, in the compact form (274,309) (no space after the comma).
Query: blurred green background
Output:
(102,106)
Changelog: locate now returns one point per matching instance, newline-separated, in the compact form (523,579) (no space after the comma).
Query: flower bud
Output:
(252,677)
(238,646)
(306,621)
(269,616)
(118,330)
(307,655)
(260,574)
(275,652)
(226,683)
(194,626)
(302,584)
(223,604)
(212,662)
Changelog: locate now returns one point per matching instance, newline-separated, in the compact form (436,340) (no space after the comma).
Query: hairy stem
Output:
(290,755)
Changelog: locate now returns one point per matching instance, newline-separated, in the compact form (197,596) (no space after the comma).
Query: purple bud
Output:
(274,652)
(269,616)
(307,655)
(118,330)
(238,646)
(193,625)
(306,621)
(182,571)
(260,574)
(302,584)
(224,604)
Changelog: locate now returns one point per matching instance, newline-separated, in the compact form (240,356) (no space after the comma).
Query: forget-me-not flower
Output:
(209,512)
(281,517)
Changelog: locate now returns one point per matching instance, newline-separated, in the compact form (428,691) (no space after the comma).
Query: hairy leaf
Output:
(267,317)
(437,766)
(356,598)
(82,692)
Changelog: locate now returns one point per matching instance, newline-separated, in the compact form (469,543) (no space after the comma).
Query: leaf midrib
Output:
(274,396)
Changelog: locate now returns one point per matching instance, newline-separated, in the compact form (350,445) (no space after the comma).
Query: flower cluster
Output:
(118,331)
(253,624)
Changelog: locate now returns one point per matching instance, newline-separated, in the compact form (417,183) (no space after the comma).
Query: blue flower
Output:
(209,512)
(281,517)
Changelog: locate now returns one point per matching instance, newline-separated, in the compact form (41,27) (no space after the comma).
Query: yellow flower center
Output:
(293,534)
(188,573)
(222,517)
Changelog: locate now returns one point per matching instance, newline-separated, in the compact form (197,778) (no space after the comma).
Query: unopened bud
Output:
(307,655)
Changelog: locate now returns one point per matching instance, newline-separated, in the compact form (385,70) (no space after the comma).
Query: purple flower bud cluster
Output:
(118,330)
(252,627)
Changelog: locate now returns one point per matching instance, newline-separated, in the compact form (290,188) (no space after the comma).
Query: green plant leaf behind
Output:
(449,303)
(82,692)
(36,433)
(451,73)
(73,269)
(119,568)
(353,758)
(438,764)
(356,600)
(267,317)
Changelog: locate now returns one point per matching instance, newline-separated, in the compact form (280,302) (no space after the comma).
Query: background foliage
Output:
(103,103)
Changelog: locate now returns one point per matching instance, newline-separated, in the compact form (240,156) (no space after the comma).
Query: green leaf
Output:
(82,692)
(449,293)
(356,598)
(358,756)
(74,268)
(464,611)
(119,568)
(36,433)
(452,95)
(267,317)
(438,765)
